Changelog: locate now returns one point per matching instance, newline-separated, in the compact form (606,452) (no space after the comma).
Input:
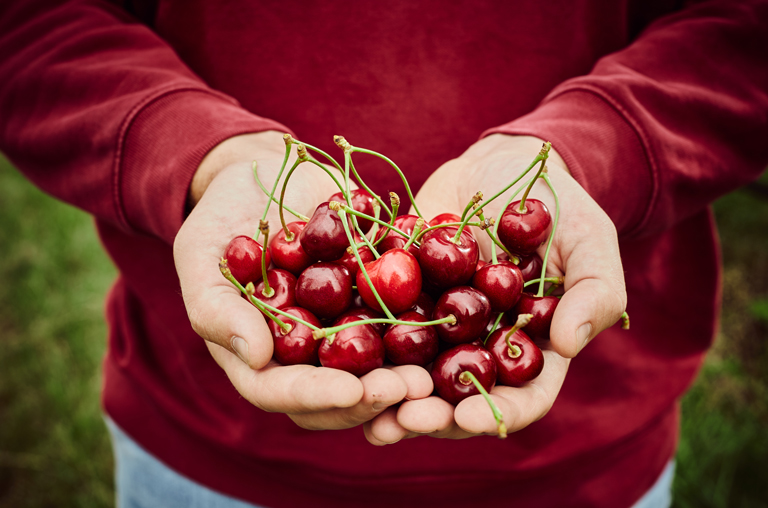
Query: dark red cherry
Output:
(396,275)
(530,266)
(357,350)
(444,218)
(501,283)
(503,322)
(297,346)
(349,260)
(325,289)
(471,309)
(361,202)
(449,365)
(524,232)
(366,312)
(411,345)
(324,237)
(392,240)
(518,365)
(243,257)
(290,255)
(424,305)
(444,263)
(542,308)
(283,283)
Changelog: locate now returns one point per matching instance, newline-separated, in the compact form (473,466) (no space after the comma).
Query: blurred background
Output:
(54,447)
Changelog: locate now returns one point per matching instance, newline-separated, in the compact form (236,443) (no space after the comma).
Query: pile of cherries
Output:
(349,290)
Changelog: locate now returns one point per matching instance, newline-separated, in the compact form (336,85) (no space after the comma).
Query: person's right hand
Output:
(226,203)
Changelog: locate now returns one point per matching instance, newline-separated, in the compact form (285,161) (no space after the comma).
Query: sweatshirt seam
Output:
(642,137)
(125,127)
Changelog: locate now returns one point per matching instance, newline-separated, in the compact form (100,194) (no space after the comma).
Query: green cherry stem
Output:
(368,189)
(288,139)
(625,321)
(522,320)
(263,307)
(494,259)
(553,280)
(468,376)
(522,208)
(339,209)
(268,292)
(493,329)
(329,332)
(416,230)
(351,211)
(545,176)
(472,202)
(399,172)
(272,197)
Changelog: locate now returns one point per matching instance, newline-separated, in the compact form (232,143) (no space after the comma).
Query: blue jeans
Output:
(142,481)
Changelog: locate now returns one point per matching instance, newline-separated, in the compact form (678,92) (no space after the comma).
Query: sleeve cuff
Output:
(602,149)
(163,145)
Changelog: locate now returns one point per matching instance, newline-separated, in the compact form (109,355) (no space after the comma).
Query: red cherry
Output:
(396,275)
(444,218)
(283,283)
(424,305)
(542,308)
(518,365)
(325,289)
(361,202)
(503,322)
(392,240)
(471,309)
(366,313)
(349,260)
(524,232)
(357,350)
(243,257)
(449,365)
(444,263)
(324,237)
(297,346)
(530,266)
(411,345)
(290,255)
(501,283)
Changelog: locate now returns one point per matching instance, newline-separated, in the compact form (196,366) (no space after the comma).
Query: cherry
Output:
(444,218)
(396,275)
(283,283)
(394,240)
(444,263)
(530,266)
(504,321)
(542,308)
(501,283)
(366,312)
(290,255)
(524,232)
(471,309)
(362,202)
(357,350)
(424,305)
(349,260)
(411,345)
(518,361)
(324,237)
(447,372)
(325,289)
(296,346)
(243,257)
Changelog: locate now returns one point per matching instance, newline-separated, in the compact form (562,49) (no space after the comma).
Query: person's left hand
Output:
(585,250)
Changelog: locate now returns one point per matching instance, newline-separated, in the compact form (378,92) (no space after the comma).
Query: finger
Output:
(290,389)
(384,429)
(416,378)
(440,194)
(520,406)
(381,388)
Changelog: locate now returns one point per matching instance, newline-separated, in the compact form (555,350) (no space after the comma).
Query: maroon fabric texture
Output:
(656,113)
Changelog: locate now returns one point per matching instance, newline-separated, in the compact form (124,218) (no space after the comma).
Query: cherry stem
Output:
(551,290)
(522,320)
(486,226)
(272,197)
(268,292)
(328,332)
(352,211)
(493,329)
(472,202)
(496,413)
(494,259)
(376,214)
(263,307)
(446,225)
(522,208)
(545,176)
(343,215)
(553,280)
(399,172)
(625,321)
(288,139)
(416,230)
(368,189)
(394,200)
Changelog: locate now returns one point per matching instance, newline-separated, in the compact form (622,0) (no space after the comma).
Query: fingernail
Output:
(241,348)
(582,334)
(378,406)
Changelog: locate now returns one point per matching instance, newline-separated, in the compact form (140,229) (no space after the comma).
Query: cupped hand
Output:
(226,203)
(585,250)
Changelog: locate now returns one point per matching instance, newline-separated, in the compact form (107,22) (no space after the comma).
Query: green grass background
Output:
(54,448)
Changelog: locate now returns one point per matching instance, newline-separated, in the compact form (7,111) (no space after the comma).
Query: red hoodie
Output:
(657,109)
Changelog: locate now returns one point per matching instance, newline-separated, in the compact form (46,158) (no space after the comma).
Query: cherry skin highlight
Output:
(411,345)
(361,202)
(349,260)
(325,289)
(542,308)
(283,283)
(297,346)
(396,275)
(357,350)
(524,232)
(448,366)
(444,263)
(501,283)
(424,304)
(471,309)
(243,257)
(290,255)
(392,240)
(324,237)
(516,366)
